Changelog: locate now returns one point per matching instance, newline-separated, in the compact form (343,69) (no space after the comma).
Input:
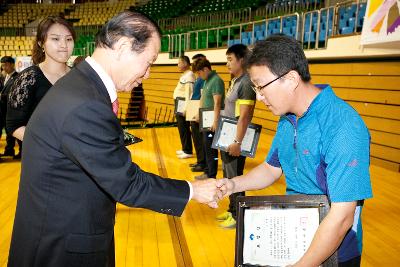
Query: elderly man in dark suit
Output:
(8,65)
(75,166)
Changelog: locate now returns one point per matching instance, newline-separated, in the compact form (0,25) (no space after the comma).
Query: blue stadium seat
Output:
(287,31)
(322,36)
(352,22)
(342,23)
(259,35)
(361,10)
(346,30)
(276,31)
(259,38)
(351,10)
(309,36)
(245,34)
(245,41)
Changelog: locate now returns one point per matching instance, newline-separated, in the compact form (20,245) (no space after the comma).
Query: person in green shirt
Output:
(213,95)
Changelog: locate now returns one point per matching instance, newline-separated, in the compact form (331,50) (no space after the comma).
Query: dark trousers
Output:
(184,134)
(232,167)
(10,140)
(211,155)
(354,262)
(198,143)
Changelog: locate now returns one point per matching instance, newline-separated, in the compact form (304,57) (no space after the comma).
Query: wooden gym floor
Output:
(146,238)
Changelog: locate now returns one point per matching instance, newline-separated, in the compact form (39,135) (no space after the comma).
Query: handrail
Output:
(186,21)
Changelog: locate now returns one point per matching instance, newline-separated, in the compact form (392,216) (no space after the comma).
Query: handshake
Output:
(211,191)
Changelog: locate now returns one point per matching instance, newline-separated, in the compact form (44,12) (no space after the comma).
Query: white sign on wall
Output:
(381,22)
(22,63)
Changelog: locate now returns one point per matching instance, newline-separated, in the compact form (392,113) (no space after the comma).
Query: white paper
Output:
(228,134)
(208,118)
(180,106)
(278,237)
(248,139)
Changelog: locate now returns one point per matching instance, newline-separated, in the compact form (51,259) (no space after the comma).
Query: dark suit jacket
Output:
(75,168)
(4,94)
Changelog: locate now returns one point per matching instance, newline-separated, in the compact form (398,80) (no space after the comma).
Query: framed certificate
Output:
(277,230)
(179,106)
(206,119)
(130,139)
(192,111)
(226,133)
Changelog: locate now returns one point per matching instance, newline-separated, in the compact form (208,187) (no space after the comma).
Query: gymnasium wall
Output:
(371,86)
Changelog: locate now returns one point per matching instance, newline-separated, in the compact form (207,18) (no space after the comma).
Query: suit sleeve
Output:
(92,138)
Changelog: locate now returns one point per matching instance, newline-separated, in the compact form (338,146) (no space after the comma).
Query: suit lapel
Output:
(11,79)
(91,74)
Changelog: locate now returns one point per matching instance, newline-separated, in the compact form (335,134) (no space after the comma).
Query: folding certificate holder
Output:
(206,119)
(277,230)
(226,133)
(192,111)
(130,139)
(179,106)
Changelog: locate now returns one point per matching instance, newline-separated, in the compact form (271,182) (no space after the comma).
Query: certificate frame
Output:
(206,119)
(248,147)
(277,202)
(179,103)
(130,139)
(192,111)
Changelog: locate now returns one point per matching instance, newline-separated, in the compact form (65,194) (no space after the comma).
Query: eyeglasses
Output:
(257,89)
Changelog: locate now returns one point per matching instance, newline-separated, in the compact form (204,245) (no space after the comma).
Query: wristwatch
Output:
(237,142)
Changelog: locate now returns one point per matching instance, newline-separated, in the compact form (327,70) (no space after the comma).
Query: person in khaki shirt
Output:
(184,89)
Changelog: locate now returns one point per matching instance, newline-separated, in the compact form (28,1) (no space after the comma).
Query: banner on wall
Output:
(22,63)
(381,22)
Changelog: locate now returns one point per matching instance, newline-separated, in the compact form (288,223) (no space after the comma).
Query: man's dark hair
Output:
(197,56)
(201,64)
(280,54)
(136,26)
(185,59)
(239,50)
(8,59)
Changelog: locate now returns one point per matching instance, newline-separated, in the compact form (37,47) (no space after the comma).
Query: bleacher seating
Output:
(313,28)
(158,9)
(16,45)
(220,5)
(19,15)
(351,18)
(97,13)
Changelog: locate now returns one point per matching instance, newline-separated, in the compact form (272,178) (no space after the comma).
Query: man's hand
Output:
(214,126)
(234,149)
(196,118)
(226,186)
(206,191)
